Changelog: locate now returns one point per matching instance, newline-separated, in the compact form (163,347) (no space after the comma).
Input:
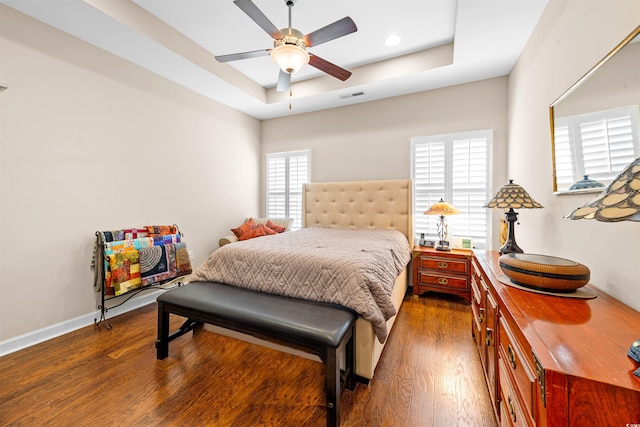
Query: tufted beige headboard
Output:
(360,204)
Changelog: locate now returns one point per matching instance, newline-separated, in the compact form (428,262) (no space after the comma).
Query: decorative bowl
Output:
(544,272)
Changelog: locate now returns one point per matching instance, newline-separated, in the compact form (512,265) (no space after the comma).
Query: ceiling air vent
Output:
(351,95)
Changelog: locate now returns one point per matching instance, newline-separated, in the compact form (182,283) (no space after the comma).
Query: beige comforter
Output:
(355,268)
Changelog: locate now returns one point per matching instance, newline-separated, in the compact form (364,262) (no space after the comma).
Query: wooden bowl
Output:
(544,272)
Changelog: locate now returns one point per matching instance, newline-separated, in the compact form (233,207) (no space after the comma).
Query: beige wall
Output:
(615,84)
(91,142)
(74,115)
(570,38)
(373,140)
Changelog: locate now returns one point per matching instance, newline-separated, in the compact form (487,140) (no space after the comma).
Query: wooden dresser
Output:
(441,271)
(552,361)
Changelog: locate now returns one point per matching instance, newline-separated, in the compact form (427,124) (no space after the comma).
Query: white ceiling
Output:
(444,42)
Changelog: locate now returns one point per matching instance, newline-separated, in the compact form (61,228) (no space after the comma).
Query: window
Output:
(598,144)
(454,167)
(286,173)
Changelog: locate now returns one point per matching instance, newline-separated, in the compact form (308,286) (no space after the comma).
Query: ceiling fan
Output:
(290,45)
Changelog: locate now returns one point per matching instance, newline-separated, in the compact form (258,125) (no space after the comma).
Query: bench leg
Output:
(332,386)
(350,364)
(162,344)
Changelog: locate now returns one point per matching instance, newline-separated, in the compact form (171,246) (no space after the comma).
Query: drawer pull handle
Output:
(442,281)
(489,334)
(512,409)
(442,264)
(481,315)
(512,357)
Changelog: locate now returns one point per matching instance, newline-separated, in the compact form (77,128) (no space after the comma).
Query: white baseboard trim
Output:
(32,338)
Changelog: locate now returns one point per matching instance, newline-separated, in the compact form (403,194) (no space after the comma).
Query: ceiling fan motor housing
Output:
(290,52)
(291,36)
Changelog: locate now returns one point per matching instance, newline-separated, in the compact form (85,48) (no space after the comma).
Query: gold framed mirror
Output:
(595,124)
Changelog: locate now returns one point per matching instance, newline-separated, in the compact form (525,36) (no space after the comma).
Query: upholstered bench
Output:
(321,329)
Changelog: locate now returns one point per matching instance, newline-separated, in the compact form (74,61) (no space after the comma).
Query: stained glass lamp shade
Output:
(512,196)
(620,201)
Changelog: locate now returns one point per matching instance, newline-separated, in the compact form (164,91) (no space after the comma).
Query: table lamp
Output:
(511,196)
(442,209)
(620,201)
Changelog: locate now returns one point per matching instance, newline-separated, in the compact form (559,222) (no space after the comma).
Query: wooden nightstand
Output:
(441,271)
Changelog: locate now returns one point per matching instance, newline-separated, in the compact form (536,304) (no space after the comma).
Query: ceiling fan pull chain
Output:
(290,95)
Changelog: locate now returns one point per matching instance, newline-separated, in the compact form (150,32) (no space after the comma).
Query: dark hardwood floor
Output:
(429,375)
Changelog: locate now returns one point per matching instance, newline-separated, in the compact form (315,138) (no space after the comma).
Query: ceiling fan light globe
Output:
(290,58)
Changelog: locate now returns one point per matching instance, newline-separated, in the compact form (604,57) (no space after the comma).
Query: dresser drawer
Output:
(475,271)
(446,281)
(451,265)
(512,355)
(511,409)
(477,304)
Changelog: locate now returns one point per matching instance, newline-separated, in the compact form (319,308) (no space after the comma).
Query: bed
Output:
(357,207)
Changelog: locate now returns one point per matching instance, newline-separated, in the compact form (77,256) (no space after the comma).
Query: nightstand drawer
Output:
(450,265)
(443,272)
(434,278)
(512,355)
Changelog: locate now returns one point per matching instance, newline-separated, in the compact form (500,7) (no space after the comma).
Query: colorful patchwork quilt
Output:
(125,271)
(157,263)
(136,257)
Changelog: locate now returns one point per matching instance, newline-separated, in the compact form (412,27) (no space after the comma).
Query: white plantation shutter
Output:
(428,181)
(563,157)
(598,144)
(298,176)
(286,174)
(454,167)
(276,187)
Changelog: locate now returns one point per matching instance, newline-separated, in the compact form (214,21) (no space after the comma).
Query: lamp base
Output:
(510,246)
(442,245)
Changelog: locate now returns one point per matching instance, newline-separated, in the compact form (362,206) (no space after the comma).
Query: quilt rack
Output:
(129,261)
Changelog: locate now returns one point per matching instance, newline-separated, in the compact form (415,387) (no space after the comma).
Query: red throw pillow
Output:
(247,226)
(257,231)
(275,227)
(268,231)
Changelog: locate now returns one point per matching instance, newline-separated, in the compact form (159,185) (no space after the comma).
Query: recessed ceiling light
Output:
(393,40)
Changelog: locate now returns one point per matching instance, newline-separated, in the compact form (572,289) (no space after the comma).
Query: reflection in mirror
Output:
(595,125)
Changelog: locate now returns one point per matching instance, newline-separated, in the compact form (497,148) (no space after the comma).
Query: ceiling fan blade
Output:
(259,18)
(243,55)
(333,31)
(284,81)
(329,68)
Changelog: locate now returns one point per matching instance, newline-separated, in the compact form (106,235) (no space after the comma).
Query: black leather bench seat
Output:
(317,328)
